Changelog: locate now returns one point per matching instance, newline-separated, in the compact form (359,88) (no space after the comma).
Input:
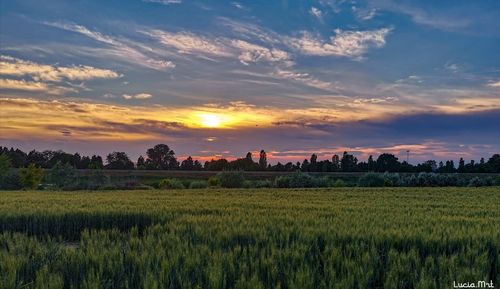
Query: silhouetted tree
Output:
(494,163)
(387,163)
(336,163)
(84,163)
(216,165)
(461,165)
(96,162)
(119,161)
(141,164)
(262,160)
(371,164)
(348,162)
(161,157)
(187,164)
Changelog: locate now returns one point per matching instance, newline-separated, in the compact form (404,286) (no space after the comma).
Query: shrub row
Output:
(64,177)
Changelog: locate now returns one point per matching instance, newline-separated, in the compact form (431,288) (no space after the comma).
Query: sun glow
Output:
(210,120)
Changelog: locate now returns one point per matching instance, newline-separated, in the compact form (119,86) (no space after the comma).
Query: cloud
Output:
(316,13)
(221,47)
(450,19)
(190,43)
(23,85)
(33,86)
(137,96)
(124,49)
(253,53)
(352,44)
(364,13)
(303,78)
(164,2)
(42,72)
(494,84)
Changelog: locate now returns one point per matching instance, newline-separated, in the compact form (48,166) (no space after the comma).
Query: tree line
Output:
(162,157)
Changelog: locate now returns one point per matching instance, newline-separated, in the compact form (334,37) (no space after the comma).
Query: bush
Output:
(321,182)
(213,182)
(338,183)
(262,184)
(282,182)
(31,176)
(198,185)
(62,175)
(248,184)
(371,180)
(296,180)
(392,180)
(10,181)
(5,165)
(231,179)
(97,179)
(171,184)
(480,182)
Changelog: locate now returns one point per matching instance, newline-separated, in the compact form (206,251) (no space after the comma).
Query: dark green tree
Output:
(119,161)
(141,164)
(161,157)
(262,160)
(387,163)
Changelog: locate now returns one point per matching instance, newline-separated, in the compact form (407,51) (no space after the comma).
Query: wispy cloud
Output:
(43,72)
(364,13)
(352,44)
(253,53)
(304,78)
(448,20)
(137,96)
(316,13)
(221,47)
(494,84)
(164,2)
(190,43)
(22,85)
(124,49)
(33,86)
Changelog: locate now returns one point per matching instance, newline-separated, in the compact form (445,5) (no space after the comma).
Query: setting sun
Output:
(210,120)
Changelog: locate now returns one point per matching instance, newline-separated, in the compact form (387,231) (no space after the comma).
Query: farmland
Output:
(250,238)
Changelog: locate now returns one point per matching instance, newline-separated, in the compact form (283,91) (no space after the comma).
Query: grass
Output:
(250,238)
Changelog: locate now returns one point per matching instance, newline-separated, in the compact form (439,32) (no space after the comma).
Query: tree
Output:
(371,163)
(387,163)
(248,157)
(5,165)
(216,165)
(336,163)
(31,176)
(461,165)
(37,158)
(119,161)
(141,165)
(187,164)
(348,162)
(62,174)
(161,157)
(197,166)
(262,160)
(494,163)
(96,162)
(313,163)
(305,166)
(84,163)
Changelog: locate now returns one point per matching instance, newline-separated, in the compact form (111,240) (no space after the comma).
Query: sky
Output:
(220,78)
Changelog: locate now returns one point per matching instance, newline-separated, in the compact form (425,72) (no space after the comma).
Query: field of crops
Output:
(260,238)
